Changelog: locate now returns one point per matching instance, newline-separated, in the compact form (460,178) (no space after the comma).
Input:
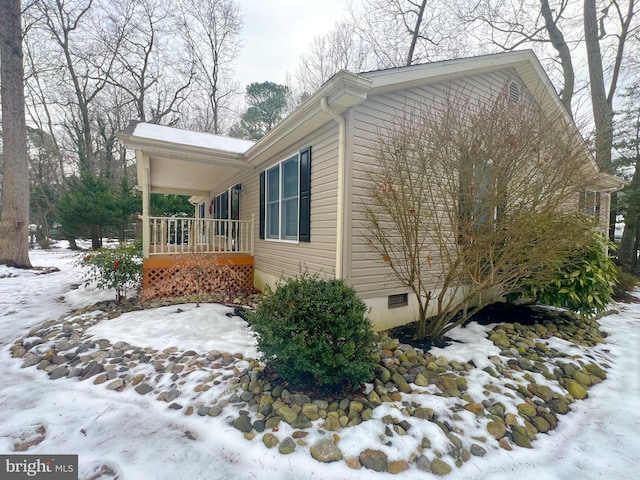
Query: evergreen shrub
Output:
(584,285)
(315,331)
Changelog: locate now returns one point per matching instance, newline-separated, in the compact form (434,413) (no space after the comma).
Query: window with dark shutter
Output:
(285,199)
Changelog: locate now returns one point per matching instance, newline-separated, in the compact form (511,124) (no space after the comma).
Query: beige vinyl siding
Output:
(368,274)
(277,258)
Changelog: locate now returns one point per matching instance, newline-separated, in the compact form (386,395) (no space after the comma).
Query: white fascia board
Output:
(142,131)
(405,77)
(609,183)
(191,153)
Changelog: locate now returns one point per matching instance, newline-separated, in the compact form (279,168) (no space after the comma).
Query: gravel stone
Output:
(59,372)
(372,459)
(144,388)
(326,451)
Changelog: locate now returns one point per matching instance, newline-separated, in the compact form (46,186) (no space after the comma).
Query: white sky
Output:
(277,32)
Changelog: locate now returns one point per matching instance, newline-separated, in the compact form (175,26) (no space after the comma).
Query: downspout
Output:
(340,231)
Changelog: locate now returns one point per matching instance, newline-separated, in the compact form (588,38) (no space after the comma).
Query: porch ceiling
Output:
(186,177)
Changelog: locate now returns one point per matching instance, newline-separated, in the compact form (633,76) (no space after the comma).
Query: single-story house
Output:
(285,203)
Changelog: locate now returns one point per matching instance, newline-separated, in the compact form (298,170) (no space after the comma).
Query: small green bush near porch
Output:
(315,331)
(119,268)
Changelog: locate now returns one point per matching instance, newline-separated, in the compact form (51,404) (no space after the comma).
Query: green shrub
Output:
(119,268)
(584,285)
(315,330)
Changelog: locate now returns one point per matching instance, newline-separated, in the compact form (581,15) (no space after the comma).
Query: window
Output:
(484,206)
(481,199)
(590,203)
(221,206)
(226,206)
(285,199)
(221,212)
(282,200)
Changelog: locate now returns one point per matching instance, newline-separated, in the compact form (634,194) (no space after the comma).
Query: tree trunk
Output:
(72,244)
(96,240)
(627,252)
(415,33)
(564,54)
(636,247)
(601,104)
(602,110)
(14,222)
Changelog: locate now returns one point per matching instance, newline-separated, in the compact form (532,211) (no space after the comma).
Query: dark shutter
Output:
(304,226)
(262,207)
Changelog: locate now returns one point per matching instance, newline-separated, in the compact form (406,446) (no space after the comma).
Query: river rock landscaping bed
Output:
(444,411)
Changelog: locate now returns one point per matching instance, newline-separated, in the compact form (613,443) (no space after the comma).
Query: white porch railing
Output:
(175,235)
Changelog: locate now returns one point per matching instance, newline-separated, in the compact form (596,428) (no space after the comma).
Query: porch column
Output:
(144,181)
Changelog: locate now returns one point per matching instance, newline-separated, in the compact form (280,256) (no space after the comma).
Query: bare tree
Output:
(45,182)
(74,26)
(405,32)
(465,201)
(147,73)
(50,161)
(40,105)
(534,24)
(601,97)
(559,43)
(381,34)
(14,219)
(339,49)
(210,31)
(413,28)
(603,28)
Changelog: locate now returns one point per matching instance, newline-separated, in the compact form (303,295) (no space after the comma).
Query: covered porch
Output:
(203,251)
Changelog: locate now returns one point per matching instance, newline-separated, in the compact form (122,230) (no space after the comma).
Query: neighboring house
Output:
(289,201)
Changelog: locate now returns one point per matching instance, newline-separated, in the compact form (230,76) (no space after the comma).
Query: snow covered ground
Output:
(138,438)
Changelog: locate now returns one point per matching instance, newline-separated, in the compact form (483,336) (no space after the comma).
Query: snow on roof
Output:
(187,137)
